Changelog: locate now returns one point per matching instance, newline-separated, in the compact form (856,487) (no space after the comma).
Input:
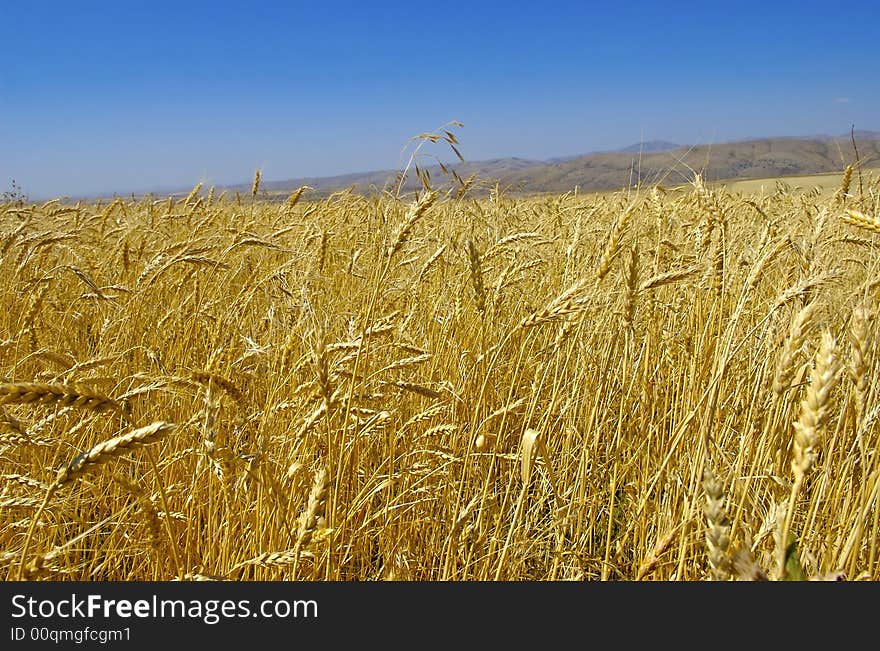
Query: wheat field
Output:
(642,385)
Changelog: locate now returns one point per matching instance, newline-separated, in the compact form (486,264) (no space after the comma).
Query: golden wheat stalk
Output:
(667,277)
(800,328)
(90,460)
(860,339)
(808,432)
(717,527)
(279,559)
(416,211)
(65,395)
(563,305)
(313,515)
(24,480)
(860,219)
(424,416)
(477,277)
(842,192)
(528,444)
(649,565)
(148,509)
(296,195)
(101,453)
(207,378)
(506,241)
(193,194)
(631,290)
(814,407)
(612,247)
(757,270)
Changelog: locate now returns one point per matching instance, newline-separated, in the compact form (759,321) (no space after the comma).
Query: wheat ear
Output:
(64,395)
(313,514)
(717,527)
(808,428)
(89,460)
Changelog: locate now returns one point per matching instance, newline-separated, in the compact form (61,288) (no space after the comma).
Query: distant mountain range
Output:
(655,161)
(650,147)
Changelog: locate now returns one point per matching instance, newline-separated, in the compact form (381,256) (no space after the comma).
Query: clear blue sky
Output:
(122,96)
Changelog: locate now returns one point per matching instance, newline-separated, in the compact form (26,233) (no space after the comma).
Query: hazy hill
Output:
(652,146)
(498,168)
(769,157)
(650,162)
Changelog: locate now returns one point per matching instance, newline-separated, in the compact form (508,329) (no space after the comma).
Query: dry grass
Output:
(679,385)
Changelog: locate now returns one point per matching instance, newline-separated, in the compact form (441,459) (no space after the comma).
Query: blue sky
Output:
(126,96)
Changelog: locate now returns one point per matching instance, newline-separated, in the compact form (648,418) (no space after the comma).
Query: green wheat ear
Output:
(794,571)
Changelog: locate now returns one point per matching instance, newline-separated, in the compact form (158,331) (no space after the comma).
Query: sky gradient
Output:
(134,96)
